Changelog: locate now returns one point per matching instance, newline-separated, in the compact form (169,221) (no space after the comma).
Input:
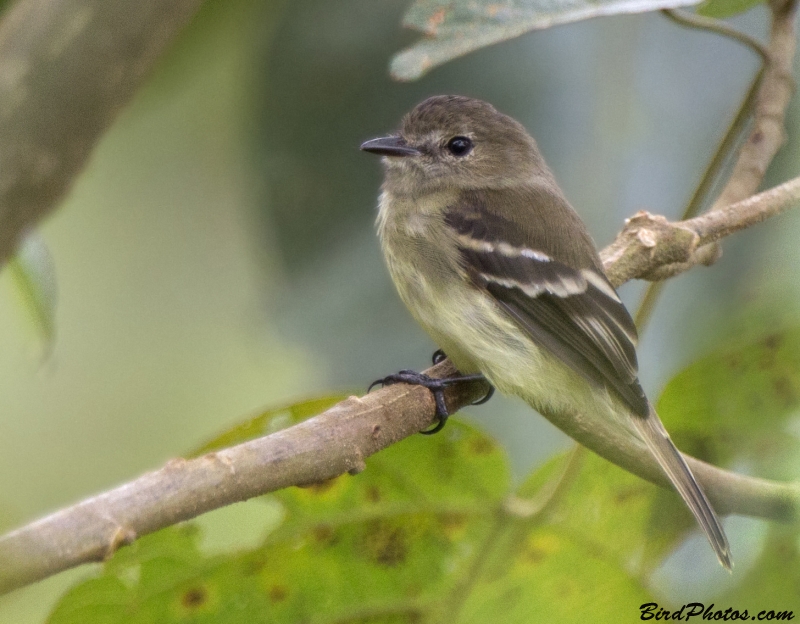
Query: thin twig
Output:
(551,492)
(769,97)
(693,20)
(701,194)
(722,222)
(767,133)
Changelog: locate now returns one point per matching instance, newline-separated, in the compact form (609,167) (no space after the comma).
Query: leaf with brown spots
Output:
(456,469)
(735,405)
(386,543)
(194,597)
(277,593)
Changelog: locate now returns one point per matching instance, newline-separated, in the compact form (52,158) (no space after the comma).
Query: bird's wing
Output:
(557,293)
(573,312)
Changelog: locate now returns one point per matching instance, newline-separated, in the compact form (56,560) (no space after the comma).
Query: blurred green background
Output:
(218,256)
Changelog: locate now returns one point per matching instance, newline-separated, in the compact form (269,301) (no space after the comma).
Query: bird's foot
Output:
(438,357)
(437,388)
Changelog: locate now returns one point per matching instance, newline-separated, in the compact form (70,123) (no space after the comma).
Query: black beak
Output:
(390,146)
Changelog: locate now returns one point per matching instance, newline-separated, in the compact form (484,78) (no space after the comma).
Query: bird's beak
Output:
(390,146)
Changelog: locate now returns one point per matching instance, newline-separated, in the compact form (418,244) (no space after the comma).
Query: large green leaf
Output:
(736,404)
(387,542)
(457,27)
(551,577)
(617,516)
(549,559)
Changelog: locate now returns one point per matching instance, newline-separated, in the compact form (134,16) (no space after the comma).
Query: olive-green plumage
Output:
(497,267)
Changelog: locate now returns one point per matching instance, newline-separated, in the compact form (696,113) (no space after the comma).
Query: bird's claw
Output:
(438,356)
(489,394)
(437,388)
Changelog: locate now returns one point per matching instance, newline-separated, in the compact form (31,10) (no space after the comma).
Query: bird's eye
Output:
(459,146)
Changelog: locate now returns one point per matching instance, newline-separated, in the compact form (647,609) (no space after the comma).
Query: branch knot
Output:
(646,242)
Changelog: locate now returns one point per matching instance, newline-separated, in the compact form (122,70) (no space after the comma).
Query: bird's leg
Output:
(436,386)
(440,356)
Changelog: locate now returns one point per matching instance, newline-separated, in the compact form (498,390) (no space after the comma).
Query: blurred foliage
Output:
(727,407)
(311,128)
(432,531)
(268,422)
(388,541)
(34,276)
(726,8)
(774,581)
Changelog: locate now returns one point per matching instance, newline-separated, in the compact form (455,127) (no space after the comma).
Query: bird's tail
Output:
(675,467)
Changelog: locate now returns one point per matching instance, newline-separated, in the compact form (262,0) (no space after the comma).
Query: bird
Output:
(497,267)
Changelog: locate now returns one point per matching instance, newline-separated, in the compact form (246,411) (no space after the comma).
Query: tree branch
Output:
(318,449)
(67,67)
(693,20)
(650,247)
(767,134)
(703,191)
(768,98)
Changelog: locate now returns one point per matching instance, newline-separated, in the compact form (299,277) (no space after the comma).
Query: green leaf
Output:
(33,272)
(459,469)
(615,515)
(455,28)
(726,8)
(551,577)
(99,601)
(735,405)
(555,557)
(267,422)
(730,407)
